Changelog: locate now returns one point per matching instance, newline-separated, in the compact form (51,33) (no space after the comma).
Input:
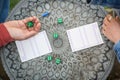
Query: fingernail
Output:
(110,18)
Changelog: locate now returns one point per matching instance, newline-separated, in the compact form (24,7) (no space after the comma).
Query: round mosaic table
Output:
(90,64)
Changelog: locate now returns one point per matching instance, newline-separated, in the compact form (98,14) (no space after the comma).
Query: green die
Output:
(49,58)
(57,60)
(30,24)
(60,20)
(55,35)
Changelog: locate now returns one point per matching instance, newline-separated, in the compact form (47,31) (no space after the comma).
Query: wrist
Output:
(7,25)
(5,36)
(116,41)
(117,50)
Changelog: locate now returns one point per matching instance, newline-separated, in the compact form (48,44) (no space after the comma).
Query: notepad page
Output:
(34,47)
(84,37)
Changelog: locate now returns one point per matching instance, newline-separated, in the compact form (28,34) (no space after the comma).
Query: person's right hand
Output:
(18,29)
(111,28)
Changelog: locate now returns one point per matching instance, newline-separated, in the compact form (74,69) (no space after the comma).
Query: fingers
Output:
(29,34)
(107,22)
(117,19)
(37,24)
(36,21)
(34,31)
(104,27)
(30,29)
(37,28)
(27,19)
(107,19)
(103,31)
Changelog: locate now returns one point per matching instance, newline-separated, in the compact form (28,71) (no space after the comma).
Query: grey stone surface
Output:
(90,64)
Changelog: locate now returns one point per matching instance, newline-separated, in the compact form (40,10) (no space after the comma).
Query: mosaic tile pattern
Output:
(90,64)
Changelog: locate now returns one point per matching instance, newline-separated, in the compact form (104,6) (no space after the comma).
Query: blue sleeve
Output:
(4,8)
(117,50)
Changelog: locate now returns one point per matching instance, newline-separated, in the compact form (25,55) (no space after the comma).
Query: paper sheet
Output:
(34,47)
(84,37)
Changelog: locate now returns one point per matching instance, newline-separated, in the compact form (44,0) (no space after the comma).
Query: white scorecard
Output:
(84,37)
(34,47)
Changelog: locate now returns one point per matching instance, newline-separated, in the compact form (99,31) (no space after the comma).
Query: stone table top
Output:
(89,64)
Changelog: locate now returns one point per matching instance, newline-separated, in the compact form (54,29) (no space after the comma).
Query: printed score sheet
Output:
(34,47)
(84,37)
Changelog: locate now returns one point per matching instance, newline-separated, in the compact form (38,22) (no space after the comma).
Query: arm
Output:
(4,36)
(111,29)
(117,50)
(17,30)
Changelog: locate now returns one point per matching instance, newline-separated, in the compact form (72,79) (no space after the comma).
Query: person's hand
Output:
(18,29)
(111,28)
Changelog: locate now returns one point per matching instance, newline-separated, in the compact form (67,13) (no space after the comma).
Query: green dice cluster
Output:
(57,60)
(30,24)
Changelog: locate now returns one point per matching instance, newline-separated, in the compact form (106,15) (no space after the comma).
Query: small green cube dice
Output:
(57,60)
(49,58)
(30,24)
(55,35)
(60,20)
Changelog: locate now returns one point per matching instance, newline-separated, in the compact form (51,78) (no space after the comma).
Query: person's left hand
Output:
(18,29)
